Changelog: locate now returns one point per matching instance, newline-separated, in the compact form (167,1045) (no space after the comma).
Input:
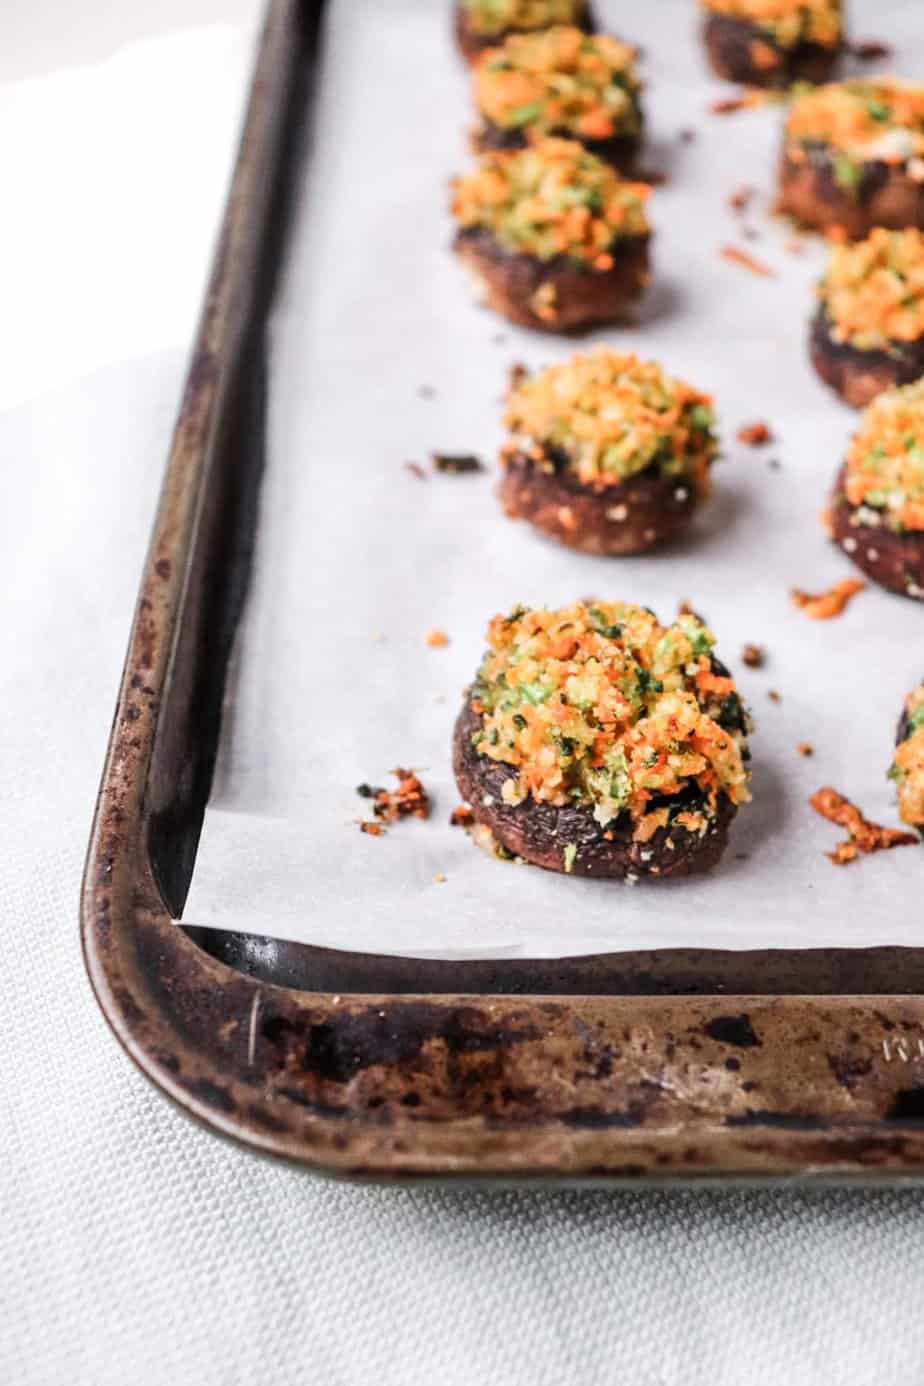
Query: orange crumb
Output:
(805,748)
(742,101)
(439,878)
(824,605)
(461,817)
(755,434)
(736,256)
(436,637)
(774,696)
(740,199)
(373,829)
(752,656)
(862,836)
(409,799)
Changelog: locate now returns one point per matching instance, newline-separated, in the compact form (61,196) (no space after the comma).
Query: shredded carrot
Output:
(862,835)
(885,461)
(539,200)
(824,605)
(736,256)
(436,638)
(560,79)
(858,118)
(492,17)
(612,416)
(872,293)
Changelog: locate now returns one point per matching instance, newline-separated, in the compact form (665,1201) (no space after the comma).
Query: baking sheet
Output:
(332,682)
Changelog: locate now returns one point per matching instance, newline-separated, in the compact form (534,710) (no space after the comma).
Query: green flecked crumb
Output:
(570,856)
(847,174)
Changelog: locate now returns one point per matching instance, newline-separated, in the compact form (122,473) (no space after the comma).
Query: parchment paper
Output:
(333,683)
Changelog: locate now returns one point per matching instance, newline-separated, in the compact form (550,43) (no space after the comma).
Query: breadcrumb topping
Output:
(610,416)
(908,764)
(489,17)
(560,79)
(873,290)
(552,198)
(787,22)
(862,120)
(599,704)
(885,462)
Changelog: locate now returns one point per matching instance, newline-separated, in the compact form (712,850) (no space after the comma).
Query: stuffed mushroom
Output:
(609,454)
(596,741)
(482,24)
(853,157)
(552,236)
(877,511)
(771,43)
(868,331)
(907,769)
(560,81)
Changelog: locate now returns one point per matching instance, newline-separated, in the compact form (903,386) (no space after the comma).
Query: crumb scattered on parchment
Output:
(741,198)
(862,836)
(461,817)
(741,101)
(869,50)
(685,609)
(754,435)
(736,256)
(455,463)
(440,877)
(774,695)
(687,135)
(774,464)
(408,800)
(822,606)
(426,392)
(416,469)
(805,748)
(516,375)
(753,656)
(499,339)
(436,638)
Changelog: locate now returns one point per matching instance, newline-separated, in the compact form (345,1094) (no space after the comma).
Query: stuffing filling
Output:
(600,705)
(873,290)
(885,463)
(908,765)
(787,22)
(552,198)
(560,79)
(487,17)
(858,122)
(608,416)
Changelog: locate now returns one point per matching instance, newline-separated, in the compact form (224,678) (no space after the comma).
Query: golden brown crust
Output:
(554,295)
(640,513)
(540,832)
(472,45)
(886,196)
(739,51)
(858,375)
(893,560)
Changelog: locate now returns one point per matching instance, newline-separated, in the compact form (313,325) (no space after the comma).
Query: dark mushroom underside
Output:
(621,151)
(740,51)
(859,375)
(516,285)
(641,513)
(894,561)
(540,833)
(885,194)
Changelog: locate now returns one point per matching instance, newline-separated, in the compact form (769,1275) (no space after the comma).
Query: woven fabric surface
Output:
(135,1248)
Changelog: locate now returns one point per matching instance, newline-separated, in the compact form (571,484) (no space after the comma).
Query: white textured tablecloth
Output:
(134,1248)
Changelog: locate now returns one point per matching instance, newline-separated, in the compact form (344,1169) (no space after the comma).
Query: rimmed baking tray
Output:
(637,1065)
